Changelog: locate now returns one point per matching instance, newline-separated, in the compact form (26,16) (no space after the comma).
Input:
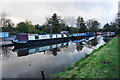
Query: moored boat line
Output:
(30,38)
(51,38)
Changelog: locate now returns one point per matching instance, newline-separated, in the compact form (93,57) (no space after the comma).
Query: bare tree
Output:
(2,19)
(117,20)
(6,24)
(92,25)
(71,21)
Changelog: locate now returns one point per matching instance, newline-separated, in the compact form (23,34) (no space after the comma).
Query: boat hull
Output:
(77,37)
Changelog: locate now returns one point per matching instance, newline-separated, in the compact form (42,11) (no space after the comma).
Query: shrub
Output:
(69,68)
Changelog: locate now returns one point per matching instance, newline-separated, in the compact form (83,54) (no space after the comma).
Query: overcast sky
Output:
(37,10)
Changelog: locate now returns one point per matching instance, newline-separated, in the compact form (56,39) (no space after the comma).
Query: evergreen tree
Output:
(81,25)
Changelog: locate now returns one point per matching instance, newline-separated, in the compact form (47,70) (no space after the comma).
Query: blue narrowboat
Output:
(4,34)
(78,35)
(90,34)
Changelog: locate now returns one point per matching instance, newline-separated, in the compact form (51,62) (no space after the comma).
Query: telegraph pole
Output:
(28,28)
(51,28)
(77,29)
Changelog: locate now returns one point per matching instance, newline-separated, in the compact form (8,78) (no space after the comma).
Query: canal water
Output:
(29,62)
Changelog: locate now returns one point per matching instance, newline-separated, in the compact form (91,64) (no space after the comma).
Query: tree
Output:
(2,18)
(64,26)
(38,29)
(54,22)
(30,26)
(21,27)
(24,27)
(92,25)
(81,24)
(117,20)
(70,21)
(117,23)
(113,26)
(6,24)
(72,30)
(106,27)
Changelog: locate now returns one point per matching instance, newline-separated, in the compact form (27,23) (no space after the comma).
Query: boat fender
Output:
(51,36)
(15,38)
(62,35)
(36,37)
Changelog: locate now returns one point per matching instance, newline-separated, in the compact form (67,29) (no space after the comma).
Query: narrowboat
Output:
(82,35)
(90,34)
(98,33)
(78,35)
(36,39)
(108,34)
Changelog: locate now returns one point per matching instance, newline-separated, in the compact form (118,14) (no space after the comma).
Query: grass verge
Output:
(101,63)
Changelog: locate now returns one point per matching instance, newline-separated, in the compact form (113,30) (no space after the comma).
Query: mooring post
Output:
(42,73)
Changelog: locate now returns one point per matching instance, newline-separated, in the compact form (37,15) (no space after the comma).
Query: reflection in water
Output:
(106,39)
(54,51)
(81,40)
(53,48)
(79,46)
(6,51)
(29,62)
(91,43)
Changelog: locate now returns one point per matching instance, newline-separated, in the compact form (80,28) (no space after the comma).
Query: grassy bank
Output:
(101,63)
